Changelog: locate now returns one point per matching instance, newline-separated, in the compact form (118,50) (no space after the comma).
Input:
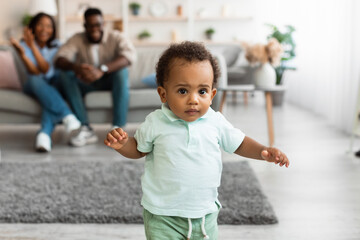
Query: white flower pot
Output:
(265,76)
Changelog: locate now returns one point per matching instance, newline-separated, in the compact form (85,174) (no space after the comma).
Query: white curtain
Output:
(328,55)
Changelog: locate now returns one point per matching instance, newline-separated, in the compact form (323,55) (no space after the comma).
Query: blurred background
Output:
(326,35)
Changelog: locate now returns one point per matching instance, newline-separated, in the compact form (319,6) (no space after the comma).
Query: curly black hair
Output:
(190,52)
(34,21)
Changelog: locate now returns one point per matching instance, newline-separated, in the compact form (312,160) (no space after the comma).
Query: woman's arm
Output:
(42,65)
(30,66)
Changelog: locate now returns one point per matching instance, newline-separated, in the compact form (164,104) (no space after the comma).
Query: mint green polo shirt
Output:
(183,165)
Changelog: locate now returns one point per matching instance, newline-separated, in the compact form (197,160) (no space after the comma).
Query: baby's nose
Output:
(193,99)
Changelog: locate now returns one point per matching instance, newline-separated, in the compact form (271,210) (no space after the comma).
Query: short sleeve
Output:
(125,48)
(144,136)
(28,52)
(47,53)
(49,57)
(230,137)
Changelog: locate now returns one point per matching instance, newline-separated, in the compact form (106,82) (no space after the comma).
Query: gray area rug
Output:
(110,192)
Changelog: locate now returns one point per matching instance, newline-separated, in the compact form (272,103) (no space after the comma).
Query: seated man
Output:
(95,60)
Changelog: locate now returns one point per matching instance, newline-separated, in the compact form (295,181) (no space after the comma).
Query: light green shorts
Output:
(177,228)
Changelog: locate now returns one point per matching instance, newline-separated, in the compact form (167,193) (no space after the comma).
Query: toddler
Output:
(182,143)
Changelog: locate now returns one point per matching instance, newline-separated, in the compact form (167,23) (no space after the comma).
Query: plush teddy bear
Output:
(271,52)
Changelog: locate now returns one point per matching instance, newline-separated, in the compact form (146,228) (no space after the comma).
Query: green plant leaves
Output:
(285,38)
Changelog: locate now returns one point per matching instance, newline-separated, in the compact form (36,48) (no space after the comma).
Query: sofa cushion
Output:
(230,52)
(17,101)
(8,74)
(231,55)
(147,59)
(240,75)
(20,67)
(139,98)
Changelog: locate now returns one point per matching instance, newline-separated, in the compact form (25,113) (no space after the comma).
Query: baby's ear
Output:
(213,93)
(162,93)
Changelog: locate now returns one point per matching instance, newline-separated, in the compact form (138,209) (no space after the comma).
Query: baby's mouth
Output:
(192,111)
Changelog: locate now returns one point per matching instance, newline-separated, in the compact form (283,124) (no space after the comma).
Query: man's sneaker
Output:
(43,142)
(71,123)
(83,137)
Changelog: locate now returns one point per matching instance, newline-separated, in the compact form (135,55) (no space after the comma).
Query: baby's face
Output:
(188,89)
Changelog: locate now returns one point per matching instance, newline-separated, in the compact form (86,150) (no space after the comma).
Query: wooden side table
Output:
(268,102)
(236,88)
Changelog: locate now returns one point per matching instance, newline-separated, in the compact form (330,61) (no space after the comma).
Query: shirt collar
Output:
(172,117)
(105,36)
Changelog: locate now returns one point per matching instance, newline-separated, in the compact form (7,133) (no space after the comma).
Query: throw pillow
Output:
(150,80)
(241,60)
(231,54)
(8,74)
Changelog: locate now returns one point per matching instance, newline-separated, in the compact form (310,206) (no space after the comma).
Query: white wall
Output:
(11,13)
(327,36)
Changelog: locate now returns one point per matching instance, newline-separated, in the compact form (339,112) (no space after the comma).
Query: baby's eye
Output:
(202,91)
(182,91)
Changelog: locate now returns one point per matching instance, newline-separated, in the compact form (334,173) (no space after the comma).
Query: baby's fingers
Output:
(107,143)
(119,134)
(111,138)
(284,161)
(273,155)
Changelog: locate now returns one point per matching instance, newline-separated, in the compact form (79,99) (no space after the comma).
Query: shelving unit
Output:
(71,14)
(248,18)
(107,18)
(158,19)
(166,25)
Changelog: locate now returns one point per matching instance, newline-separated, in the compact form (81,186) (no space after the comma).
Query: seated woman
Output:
(37,49)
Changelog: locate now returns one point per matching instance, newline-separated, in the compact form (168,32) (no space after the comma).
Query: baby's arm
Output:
(251,149)
(119,140)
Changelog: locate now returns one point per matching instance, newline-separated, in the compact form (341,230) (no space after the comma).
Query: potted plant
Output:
(144,35)
(26,19)
(135,7)
(209,33)
(286,40)
(264,58)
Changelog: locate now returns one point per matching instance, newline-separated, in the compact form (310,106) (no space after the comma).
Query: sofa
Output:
(239,71)
(18,108)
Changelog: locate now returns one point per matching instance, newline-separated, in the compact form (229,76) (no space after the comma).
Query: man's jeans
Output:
(74,90)
(54,107)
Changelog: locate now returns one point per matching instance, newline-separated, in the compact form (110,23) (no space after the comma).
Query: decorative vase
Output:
(135,11)
(209,36)
(265,76)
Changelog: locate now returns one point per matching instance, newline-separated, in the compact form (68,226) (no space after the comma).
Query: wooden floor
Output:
(318,197)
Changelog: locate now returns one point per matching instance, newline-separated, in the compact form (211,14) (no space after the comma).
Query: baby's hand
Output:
(116,138)
(276,156)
